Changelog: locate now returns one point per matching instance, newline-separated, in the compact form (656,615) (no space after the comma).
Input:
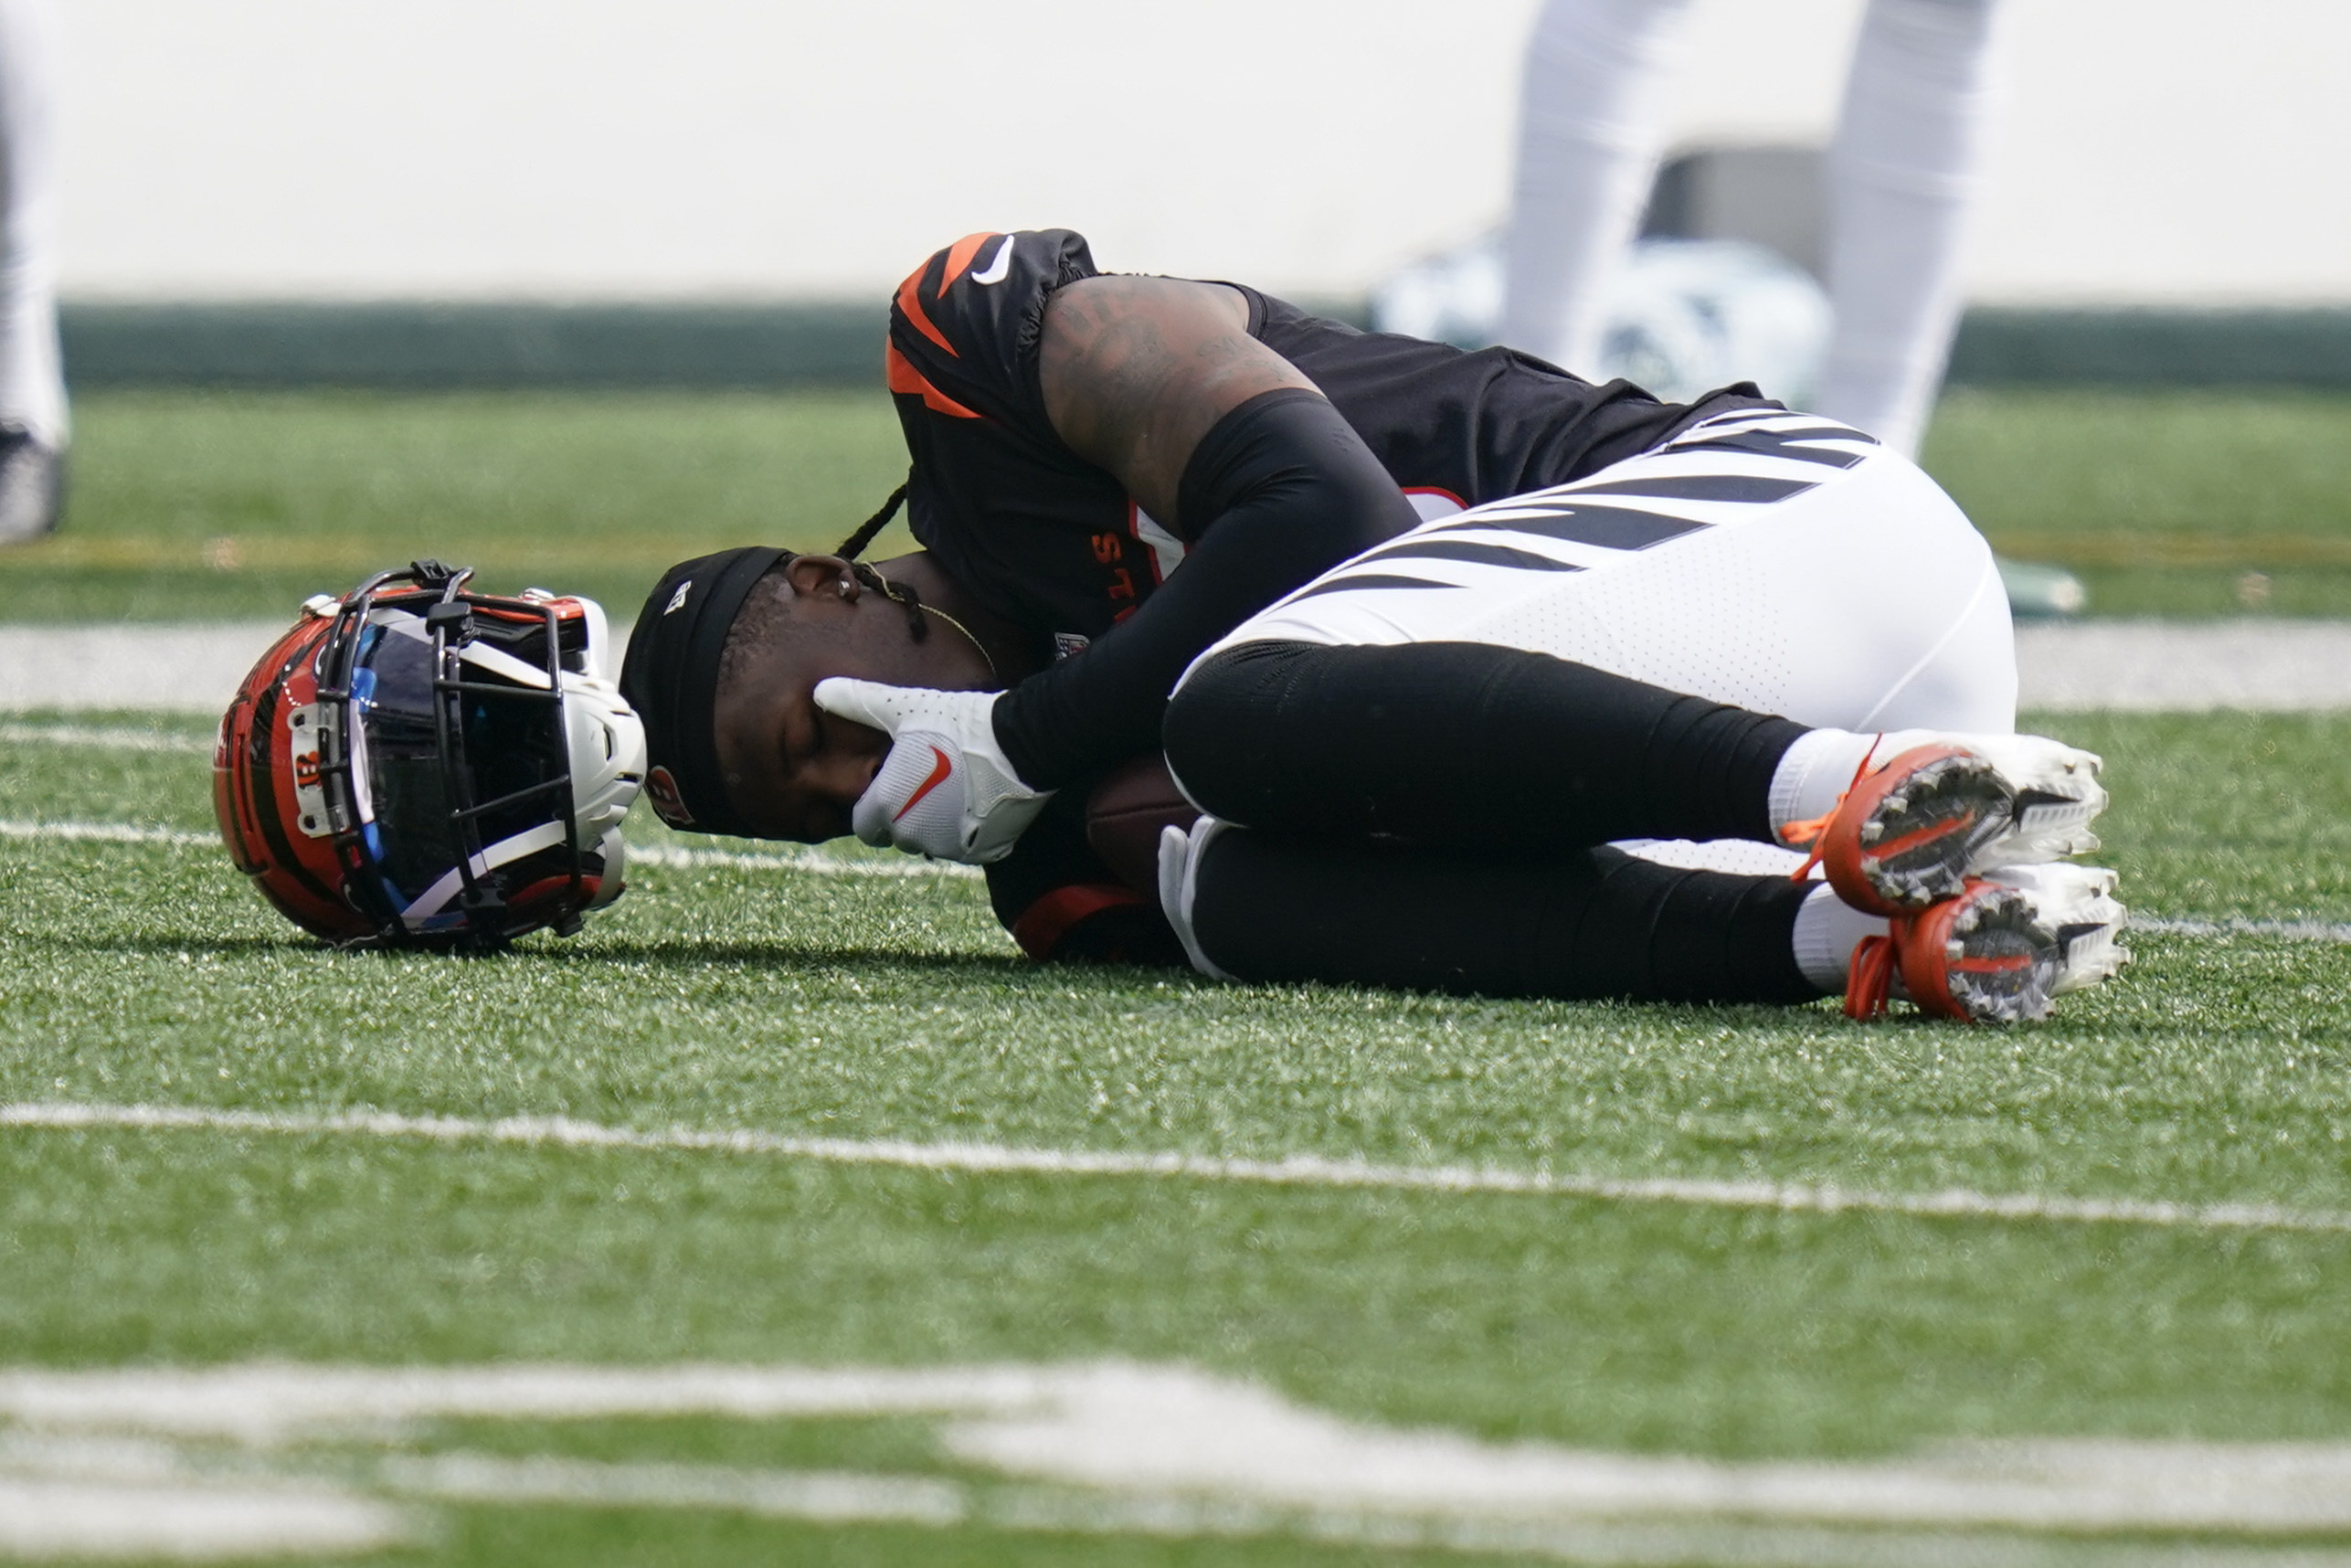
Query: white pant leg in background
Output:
(32,381)
(1773,561)
(1591,127)
(1902,173)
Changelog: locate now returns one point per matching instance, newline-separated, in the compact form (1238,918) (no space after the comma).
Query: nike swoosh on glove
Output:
(946,790)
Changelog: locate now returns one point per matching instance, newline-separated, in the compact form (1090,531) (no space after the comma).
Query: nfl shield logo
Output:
(661,790)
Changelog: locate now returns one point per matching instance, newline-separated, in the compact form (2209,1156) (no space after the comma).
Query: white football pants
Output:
(32,381)
(1901,172)
(1773,561)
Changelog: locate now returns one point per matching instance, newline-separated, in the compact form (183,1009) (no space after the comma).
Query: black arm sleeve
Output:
(1278,491)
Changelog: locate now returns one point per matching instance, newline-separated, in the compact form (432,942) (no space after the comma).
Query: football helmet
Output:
(414,764)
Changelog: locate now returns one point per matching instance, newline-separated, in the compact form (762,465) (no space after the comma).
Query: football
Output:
(1124,816)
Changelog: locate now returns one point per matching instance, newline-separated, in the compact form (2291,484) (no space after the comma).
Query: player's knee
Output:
(1218,722)
(1193,734)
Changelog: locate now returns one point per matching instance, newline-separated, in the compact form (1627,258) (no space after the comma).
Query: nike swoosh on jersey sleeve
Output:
(965,341)
(997,271)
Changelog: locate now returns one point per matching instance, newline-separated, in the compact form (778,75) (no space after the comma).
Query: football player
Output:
(34,425)
(1439,627)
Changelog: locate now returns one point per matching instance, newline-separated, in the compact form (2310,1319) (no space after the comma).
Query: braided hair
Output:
(896,593)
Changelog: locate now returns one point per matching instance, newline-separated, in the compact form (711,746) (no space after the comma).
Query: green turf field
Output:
(822,1116)
(192,506)
(842,1004)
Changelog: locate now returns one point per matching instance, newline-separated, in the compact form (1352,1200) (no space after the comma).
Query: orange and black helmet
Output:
(414,764)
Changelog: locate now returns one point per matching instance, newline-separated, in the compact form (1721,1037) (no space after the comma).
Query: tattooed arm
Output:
(1212,432)
(1137,370)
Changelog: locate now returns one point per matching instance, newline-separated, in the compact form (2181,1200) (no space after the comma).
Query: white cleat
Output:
(2078,905)
(2001,951)
(1180,853)
(1914,831)
(32,486)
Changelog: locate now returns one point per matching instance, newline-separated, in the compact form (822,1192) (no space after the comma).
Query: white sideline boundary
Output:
(1310,1170)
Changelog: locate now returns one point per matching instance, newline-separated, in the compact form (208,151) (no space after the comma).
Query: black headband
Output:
(671,678)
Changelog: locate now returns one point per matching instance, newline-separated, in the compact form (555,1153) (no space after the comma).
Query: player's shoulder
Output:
(994,262)
(971,313)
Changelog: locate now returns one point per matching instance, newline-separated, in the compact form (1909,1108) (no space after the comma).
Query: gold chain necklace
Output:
(976,646)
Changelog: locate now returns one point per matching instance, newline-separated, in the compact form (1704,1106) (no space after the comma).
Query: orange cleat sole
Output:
(1908,835)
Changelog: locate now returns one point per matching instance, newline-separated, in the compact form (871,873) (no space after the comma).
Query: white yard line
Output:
(814,861)
(195,1517)
(80,1496)
(79,1520)
(808,860)
(2184,666)
(106,833)
(1292,1171)
(837,1497)
(123,666)
(1123,1447)
(104,740)
(2131,665)
(817,863)
(2283,930)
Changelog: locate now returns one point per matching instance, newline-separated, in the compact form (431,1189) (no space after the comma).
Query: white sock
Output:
(1819,768)
(1591,124)
(1827,929)
(32,383)
(1901,175)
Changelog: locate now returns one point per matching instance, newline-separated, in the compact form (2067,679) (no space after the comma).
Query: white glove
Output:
(947,789)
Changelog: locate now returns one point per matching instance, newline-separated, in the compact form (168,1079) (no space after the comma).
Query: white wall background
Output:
(2156,149)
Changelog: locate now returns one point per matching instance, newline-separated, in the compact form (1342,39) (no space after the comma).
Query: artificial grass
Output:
(514,1538)
(2172,503)
(194,506)
(863,1007)
(190,506)
(870,1007)
(1622,1326)
(893,1007)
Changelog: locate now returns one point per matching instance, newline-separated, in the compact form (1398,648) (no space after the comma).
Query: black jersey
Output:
(1053,542)
(1056,544)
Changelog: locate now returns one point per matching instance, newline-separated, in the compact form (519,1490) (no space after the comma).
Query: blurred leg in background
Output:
(33,421)
(1591,130)
(1902,172)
